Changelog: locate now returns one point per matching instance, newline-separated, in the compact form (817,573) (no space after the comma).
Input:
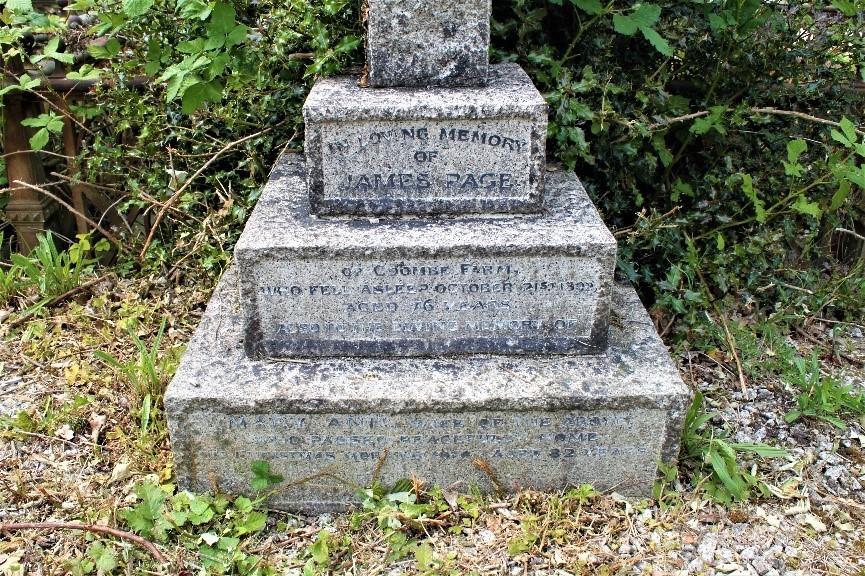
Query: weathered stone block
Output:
(428,43)
(520,284)
(435,151)
(545,422)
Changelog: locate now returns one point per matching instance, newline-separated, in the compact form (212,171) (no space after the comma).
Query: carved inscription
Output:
(549,439)
(445,298)
(435,159)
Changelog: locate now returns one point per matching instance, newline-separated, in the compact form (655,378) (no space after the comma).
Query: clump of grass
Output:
(822,397)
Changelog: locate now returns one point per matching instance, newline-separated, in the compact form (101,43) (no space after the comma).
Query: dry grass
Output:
(78,461)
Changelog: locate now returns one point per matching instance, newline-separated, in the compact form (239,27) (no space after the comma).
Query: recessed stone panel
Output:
(437,151)
(545,422)
(427,43)
(407,287)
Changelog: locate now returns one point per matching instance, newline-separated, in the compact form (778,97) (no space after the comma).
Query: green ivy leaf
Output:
(592,7)
(136,8)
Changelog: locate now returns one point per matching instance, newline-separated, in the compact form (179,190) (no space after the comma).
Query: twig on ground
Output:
(732,344)
(149,546)
(816,341)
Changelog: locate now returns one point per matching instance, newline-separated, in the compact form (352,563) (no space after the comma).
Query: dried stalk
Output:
(149,546)
(182,189)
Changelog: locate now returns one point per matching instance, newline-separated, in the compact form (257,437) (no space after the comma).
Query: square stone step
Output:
(426,151)
(427,42)
(544,422)
(515,284)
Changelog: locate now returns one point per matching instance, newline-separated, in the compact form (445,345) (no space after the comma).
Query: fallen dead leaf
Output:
(96,421)
(120,472)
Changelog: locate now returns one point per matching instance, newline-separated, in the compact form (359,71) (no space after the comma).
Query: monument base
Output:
(544,422)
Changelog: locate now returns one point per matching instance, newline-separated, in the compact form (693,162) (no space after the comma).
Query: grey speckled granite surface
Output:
(428,43)
(541,421)
(383,151)
(422,286)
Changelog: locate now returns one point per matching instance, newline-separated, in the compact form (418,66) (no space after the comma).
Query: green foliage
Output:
(401,515)
(704,138)
(822,397)
(148,374)
(714,461)
(211,526)
(48,419)
(49,271)
(263,477)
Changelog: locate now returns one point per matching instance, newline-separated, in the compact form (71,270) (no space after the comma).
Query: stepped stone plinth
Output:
(421,296)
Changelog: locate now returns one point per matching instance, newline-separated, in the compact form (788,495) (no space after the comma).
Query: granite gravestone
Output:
(420,296)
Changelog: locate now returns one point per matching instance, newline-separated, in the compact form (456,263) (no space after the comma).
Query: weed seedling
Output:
(714,460)
(822,397)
